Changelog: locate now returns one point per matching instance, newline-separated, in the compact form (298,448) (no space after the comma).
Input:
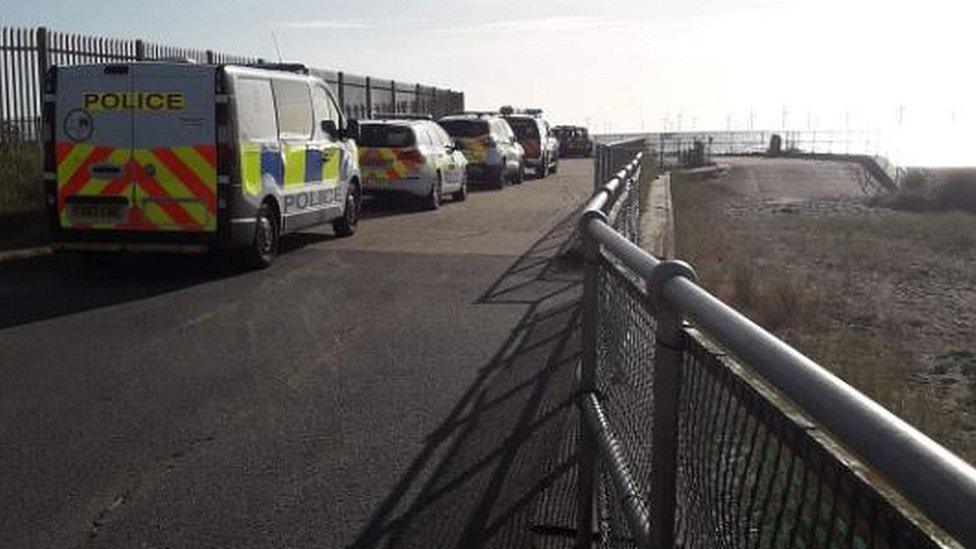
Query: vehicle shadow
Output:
(47,286)
(500,468)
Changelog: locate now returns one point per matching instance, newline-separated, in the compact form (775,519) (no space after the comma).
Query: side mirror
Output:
(351,131)
(330,128)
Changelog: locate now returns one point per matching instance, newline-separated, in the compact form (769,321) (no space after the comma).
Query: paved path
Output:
(790,179)
(408,386)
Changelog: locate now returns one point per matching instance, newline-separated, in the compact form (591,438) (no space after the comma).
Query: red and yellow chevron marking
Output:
(389,164)
(180,193)
(475,148)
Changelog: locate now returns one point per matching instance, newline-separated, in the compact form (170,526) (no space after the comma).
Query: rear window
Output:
(465,128)
(524,128)
(384,135)
(294,106)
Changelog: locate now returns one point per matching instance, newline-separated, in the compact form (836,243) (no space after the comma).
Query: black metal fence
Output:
(25,54)
(703,430)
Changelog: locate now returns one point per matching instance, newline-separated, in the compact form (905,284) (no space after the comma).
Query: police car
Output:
(493,152)
(176,156)
(413,155)
(533,133)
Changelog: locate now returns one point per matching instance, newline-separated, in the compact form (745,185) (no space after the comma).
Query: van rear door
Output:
(174,146)
(93,147)
(136,147)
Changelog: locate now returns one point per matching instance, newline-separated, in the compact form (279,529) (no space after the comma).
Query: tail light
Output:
(48,137)
(225,154)
(225,146)
(411,155)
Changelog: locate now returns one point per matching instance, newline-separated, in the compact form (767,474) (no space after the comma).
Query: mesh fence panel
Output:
(752,471)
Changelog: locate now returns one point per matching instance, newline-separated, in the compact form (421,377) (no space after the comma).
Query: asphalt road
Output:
(409,386)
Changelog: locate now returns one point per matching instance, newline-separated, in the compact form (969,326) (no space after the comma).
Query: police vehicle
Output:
(493,152)
(533,132)
(413,155)
(176,156)
(573,141)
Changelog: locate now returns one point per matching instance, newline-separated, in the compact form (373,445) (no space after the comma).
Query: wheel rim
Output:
(351,214)
(265,236)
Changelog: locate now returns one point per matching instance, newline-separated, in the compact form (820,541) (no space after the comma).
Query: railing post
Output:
(393,97)
(587,471)
(665,386)
(140,50)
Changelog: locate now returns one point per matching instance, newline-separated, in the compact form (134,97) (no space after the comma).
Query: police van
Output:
(178,156)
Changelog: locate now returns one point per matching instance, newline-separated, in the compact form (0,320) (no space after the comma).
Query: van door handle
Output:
(106,171)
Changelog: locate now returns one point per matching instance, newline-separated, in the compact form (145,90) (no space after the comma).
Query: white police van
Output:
(176,156)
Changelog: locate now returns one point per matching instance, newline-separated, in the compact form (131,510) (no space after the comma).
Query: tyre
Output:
(555,166)
(542,169)
(520,175)
(264,248)
(461,194)
(346,225)
(501,178)
(433,200)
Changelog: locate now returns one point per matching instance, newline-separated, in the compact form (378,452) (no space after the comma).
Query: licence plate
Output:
(97,213)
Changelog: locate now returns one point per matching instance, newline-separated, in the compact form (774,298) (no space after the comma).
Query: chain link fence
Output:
(686,444)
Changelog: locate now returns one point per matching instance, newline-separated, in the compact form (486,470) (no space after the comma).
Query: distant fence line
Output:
(26,53)
(672,145)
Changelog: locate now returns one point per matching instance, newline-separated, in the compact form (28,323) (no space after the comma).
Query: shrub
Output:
(21,188)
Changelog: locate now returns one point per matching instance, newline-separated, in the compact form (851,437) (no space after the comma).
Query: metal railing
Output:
(701,429)
(25,55)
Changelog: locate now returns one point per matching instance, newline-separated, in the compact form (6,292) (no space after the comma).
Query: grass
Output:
(879,298)
(21,189)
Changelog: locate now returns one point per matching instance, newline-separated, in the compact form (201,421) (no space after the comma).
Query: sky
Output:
(630,65)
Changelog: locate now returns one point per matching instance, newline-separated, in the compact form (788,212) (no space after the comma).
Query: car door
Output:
(293,104)
(437,151)
(93,148)
(173,146)
(458,160)
(258,146)
(326,150)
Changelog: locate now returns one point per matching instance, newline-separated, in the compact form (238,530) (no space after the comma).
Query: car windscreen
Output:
(385,135)
(465,128)
(524,128)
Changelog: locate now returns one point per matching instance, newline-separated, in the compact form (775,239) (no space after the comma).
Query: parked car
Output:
(411,155)
(174,156)
(574,141)
(533,133)
(488,142)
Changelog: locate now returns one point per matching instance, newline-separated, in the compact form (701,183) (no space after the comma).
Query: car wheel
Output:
(542,169)
(433,200)
(520,174)
(502,177)
(555,166)
(264,248)
(461,194)
(346,225)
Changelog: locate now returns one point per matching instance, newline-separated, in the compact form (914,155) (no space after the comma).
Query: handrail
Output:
(940,483)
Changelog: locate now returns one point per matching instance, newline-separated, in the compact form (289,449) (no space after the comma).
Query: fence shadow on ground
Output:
(500,469)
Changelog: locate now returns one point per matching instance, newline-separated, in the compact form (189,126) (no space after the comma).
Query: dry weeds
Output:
(883,299)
